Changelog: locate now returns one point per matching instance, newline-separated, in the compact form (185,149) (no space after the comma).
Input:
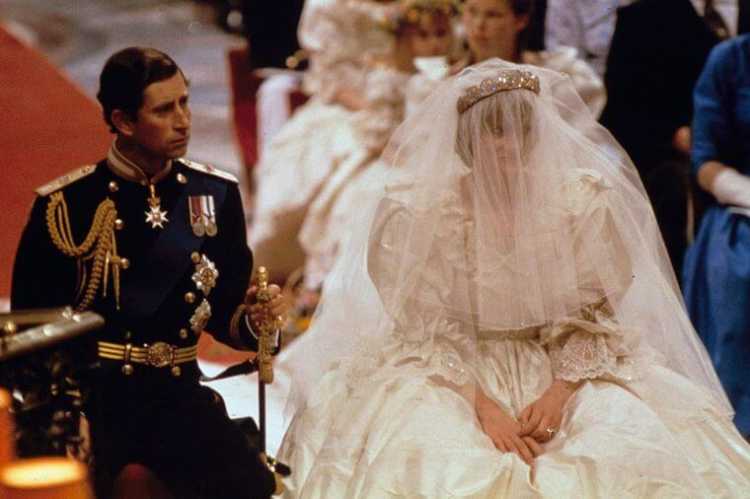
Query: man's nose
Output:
(182,118)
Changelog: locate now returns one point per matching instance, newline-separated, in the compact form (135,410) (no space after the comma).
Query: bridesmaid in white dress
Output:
(426,28)
(355,62)
(504,321)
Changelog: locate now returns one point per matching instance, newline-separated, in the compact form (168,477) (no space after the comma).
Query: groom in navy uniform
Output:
(156,244)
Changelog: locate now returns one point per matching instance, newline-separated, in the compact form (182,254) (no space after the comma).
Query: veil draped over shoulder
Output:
(506,209)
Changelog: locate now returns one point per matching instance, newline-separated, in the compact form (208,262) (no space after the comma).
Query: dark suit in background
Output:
(271,30)
(657,52)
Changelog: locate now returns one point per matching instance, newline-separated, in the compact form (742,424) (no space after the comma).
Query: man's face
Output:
(162,127)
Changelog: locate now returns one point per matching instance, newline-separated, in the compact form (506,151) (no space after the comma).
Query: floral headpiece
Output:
(508,79)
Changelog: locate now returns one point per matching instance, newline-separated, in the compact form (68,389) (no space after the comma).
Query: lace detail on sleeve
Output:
(592,346)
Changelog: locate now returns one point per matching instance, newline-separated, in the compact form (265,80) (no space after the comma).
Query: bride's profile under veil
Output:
(509,244)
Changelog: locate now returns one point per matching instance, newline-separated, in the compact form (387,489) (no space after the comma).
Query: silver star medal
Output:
(155,215)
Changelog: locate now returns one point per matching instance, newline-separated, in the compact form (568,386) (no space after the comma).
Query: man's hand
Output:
(682,139)
(274,310)
(541,419)
(504,431)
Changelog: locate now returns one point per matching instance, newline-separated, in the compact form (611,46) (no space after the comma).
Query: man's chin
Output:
(178,152)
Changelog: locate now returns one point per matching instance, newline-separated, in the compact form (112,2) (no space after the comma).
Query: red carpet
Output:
(49,127)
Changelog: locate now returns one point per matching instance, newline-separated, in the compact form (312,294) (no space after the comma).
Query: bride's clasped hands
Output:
(536,425)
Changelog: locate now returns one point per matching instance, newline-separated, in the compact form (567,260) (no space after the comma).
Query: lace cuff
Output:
(448,365)
(592,346)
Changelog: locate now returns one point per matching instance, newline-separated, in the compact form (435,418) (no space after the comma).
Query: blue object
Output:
(716,272)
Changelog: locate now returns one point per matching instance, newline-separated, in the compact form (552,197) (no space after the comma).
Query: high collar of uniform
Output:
(126,169)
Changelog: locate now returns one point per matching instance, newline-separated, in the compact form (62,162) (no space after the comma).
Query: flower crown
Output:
(508,79)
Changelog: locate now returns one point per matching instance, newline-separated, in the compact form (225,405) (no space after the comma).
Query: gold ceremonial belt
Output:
(158,354)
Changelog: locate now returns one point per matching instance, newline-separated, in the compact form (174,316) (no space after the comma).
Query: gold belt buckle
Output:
(159,354)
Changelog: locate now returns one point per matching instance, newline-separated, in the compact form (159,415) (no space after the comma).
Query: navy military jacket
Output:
(160,298)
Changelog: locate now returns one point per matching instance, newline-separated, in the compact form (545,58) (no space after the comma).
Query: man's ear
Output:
(123,122)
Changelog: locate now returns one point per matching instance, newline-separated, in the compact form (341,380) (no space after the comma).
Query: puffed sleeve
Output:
(712,133)
(591,344)
(428,337)
(587,83)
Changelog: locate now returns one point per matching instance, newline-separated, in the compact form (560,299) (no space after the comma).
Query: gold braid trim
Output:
(100,234)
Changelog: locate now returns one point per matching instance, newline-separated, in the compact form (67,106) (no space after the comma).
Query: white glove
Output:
(732,188)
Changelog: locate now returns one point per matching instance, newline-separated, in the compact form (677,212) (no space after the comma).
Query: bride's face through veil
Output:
(495,141)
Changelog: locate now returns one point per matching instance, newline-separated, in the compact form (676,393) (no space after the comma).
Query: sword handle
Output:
(266,333)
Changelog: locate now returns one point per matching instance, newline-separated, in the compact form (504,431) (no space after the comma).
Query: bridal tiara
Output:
(508,79)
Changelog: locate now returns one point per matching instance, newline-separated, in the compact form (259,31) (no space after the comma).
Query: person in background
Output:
(716,274)
(424,31)
(500,28)
(271,31)
(341,37)
(585,25)
(657,52)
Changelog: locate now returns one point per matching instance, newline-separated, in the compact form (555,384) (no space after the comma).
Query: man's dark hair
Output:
(125,76)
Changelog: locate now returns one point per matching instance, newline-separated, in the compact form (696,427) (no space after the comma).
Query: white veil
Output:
(517,212)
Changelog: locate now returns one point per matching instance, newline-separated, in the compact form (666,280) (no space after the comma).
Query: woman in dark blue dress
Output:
(716,276)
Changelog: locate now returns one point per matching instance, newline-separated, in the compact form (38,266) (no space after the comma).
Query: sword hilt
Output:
(266,333)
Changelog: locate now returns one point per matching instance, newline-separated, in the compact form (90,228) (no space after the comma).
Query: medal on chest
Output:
(155,216)
(203,216)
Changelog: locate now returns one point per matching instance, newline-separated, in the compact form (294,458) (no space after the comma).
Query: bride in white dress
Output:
(504,322)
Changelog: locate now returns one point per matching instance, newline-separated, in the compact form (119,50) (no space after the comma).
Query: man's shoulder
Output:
(66,180)
(208,170)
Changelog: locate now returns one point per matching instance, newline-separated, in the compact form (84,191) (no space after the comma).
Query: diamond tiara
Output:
(508,79)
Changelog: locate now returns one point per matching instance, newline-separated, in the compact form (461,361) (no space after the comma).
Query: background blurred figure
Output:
(342,38)
(658,50)
(500,28)
(717,265)
(586,25)
(424,32)
(271,31)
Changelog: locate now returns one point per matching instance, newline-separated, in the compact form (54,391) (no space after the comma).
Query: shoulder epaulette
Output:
(208,169)
(65,180)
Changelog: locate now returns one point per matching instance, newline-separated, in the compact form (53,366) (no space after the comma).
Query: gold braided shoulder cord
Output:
(101,237)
